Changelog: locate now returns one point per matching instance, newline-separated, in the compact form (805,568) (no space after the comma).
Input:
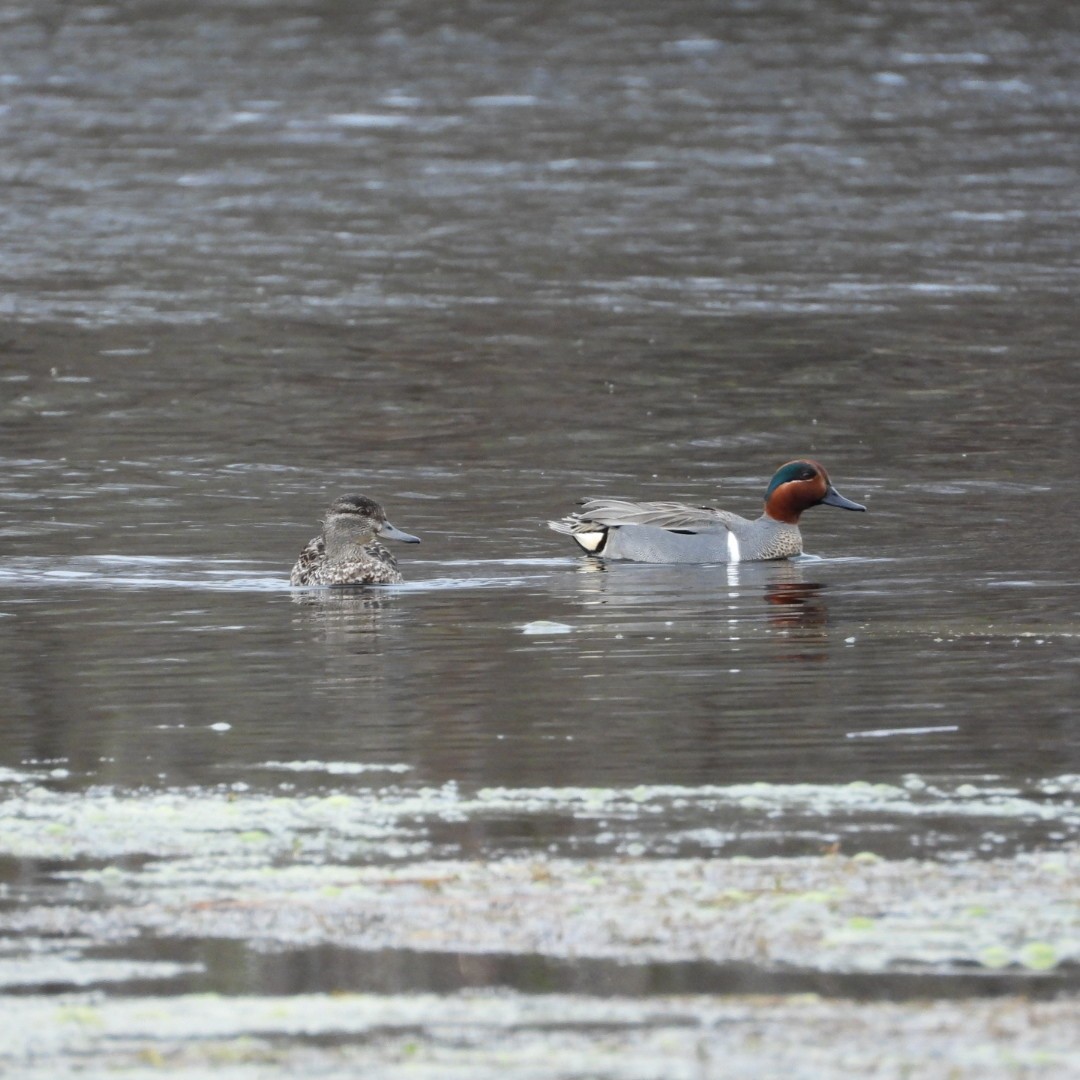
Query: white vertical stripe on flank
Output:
(732,547)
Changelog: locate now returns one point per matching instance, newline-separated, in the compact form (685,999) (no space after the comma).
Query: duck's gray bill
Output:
(834,498)
(392,533)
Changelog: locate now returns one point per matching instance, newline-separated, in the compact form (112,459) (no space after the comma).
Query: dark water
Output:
(477,261)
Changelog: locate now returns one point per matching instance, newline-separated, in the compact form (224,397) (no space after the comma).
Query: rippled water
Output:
(479,261)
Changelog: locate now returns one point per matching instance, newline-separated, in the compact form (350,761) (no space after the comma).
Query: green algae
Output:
(861,922)
(994,956)
(359,868)
(823,913)
(1040,956)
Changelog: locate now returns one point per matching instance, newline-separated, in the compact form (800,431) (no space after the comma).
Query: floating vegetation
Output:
(363,867)
(357,821)
(508,1036)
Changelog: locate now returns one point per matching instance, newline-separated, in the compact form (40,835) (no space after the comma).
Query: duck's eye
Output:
(807,474)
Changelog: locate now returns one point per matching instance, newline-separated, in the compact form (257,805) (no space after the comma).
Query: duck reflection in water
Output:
(801,604)
(795,610)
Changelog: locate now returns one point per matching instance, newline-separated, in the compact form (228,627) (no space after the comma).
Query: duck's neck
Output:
(785,505)
(342,548)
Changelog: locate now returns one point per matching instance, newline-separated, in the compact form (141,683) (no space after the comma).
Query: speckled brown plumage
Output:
(377,567)
(348,551)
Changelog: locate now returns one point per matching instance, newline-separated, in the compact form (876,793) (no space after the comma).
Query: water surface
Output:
(478,262)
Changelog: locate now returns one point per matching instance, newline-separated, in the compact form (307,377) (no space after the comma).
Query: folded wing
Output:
(672,516)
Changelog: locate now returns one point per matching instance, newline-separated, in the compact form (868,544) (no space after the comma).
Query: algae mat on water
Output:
(123,875)
(505,1036)
(363,869)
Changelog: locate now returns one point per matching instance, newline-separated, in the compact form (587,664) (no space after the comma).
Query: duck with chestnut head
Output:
(669,532)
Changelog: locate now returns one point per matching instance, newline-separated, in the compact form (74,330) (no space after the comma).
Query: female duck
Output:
(675,533)
(348,552)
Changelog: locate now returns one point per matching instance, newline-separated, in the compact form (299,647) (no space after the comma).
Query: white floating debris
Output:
(334,768)
(888,733)
(369,120)
(543,626)
(221,726)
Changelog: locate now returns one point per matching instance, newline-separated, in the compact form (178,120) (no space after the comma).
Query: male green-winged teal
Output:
(348,552)
(670,532)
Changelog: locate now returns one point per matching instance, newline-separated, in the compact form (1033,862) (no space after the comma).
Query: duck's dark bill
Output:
(834,498)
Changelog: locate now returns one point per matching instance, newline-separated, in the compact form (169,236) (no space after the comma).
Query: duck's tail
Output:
(588,536)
